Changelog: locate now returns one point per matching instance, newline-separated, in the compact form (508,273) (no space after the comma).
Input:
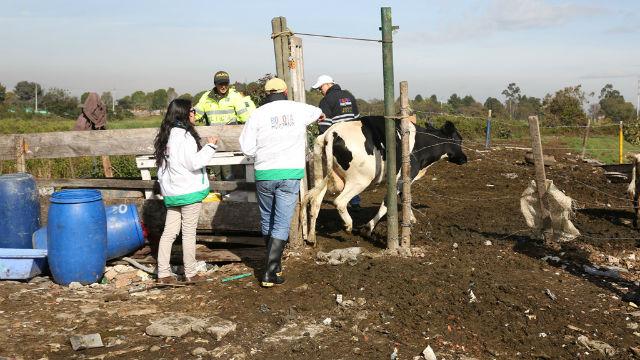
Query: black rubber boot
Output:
(266,239)
(274,260)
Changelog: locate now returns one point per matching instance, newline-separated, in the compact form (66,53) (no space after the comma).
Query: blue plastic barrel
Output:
(77,236)
(124,231)
(19,210)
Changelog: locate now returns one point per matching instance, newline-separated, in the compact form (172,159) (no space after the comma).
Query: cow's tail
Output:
(322,146)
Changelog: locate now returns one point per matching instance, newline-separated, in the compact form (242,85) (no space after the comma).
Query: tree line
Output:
(567,106)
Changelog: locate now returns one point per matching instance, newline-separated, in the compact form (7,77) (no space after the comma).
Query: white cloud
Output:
(509,15)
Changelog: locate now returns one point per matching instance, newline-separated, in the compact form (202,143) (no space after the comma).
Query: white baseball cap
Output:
(322,79)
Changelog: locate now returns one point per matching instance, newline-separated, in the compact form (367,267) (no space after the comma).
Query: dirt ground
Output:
(532,301)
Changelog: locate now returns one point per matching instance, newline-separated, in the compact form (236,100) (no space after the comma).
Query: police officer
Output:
(220,106)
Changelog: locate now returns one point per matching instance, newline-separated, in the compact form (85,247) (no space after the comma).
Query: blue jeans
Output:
(277,200)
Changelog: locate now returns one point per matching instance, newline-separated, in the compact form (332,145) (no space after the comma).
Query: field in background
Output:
(602,145)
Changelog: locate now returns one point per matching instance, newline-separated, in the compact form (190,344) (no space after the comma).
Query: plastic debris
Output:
(236,277)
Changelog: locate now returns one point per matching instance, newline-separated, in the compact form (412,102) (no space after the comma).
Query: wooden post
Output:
(541,179)
(21,164)
(297,90)
(106,165)
(487,144)
(296,69)
(585,138)
(390,128)
(280,35)
(405,244)
(620,144)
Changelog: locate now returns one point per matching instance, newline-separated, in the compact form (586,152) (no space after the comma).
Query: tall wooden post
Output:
(487,144)
(296,69)
(106,166)
(585,138)
(281,35)
(21,149)
(390,128)
(620,144)
(541,179)
(405,243)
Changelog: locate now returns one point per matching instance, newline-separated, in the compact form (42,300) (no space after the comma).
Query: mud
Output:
(479,284)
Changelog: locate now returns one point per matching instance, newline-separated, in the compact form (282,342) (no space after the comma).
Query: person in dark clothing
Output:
(338,105)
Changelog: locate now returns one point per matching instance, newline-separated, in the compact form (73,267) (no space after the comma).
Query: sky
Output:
(468,47)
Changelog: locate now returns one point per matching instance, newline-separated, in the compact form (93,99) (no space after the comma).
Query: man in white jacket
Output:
(275,134)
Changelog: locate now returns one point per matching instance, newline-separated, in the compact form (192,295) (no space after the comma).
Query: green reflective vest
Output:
(231,109)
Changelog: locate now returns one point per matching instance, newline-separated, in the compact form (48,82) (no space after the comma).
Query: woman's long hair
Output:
(177,115)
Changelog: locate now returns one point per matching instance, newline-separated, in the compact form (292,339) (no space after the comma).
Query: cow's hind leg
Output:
(636,209)
(373,222)
(315,203)
(351,189)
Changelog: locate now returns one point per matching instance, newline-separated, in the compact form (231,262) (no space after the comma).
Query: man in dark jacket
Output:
(337,105)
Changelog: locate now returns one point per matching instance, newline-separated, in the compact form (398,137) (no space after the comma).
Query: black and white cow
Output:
(634,188)
(354,152)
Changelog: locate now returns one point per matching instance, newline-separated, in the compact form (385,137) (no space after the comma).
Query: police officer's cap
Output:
(221,77)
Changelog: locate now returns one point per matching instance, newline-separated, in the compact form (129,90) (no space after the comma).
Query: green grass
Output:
(81,167)
(51,124)
(603,148)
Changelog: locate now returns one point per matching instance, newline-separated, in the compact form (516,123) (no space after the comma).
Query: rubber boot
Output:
(266,244)
(274,260)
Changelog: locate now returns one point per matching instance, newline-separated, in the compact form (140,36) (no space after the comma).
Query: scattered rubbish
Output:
(455,245)
(339,298)
(81,342)
(139,266)
(488,243)
(472,297)
(75,285)
(327,321)
(428,353)
(510,175)
(199,351)
(560,210)
(552,258)
(612,273)
(394,354)
(296,331)
(542,335)
(596,345)
(236,277)
(575,328)
(340,256)
(551,295)
(264,308)
(21,264)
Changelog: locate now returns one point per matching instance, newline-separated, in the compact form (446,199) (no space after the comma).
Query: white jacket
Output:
(275,134)
(183,176)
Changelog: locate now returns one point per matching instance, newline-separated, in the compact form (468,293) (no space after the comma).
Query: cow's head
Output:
(453,148)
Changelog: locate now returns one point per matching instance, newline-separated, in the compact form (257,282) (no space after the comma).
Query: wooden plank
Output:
(135,184)
(222,255)
(21,165)
(242,240)
(225,216)
(106,142)
(221,158)
(106,165)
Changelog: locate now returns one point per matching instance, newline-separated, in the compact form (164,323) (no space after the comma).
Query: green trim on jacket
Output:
(186,199)
(279,174)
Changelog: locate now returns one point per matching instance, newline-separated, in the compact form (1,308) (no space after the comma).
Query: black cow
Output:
(355,157)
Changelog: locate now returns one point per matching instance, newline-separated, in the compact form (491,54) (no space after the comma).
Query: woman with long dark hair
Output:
(182,175)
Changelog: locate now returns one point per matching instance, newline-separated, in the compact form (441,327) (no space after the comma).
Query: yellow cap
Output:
(275,85)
